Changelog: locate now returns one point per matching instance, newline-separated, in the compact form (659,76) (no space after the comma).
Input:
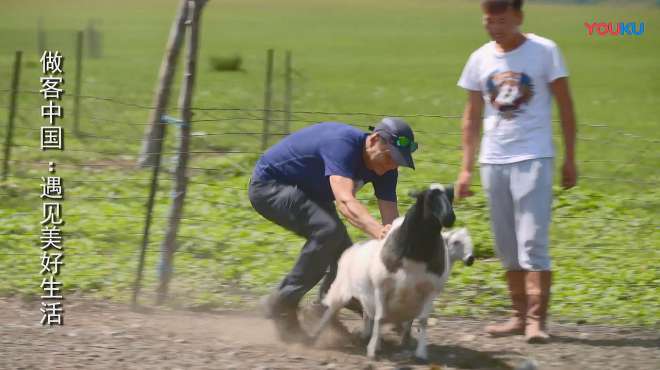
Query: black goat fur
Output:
(419,236)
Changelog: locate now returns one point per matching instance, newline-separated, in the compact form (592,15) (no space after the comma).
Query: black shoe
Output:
(288,327)
(285,319)
(268,305)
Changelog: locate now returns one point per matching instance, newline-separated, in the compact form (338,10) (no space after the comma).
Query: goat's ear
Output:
(449,190)
(442,208)
(417,194)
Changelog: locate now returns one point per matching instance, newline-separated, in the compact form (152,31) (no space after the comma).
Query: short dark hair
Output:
(498,6)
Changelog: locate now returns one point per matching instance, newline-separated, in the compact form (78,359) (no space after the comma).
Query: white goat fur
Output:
(387,297)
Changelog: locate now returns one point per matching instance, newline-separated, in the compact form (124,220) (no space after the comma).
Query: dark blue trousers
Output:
(318,222)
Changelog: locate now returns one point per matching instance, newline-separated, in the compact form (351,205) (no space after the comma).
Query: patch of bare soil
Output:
(103,335)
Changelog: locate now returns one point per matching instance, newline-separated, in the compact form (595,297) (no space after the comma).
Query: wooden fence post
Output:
(41,36)
(154,134)
(12,114)
(168,247)
(268,94)
(78,86)
(287,92)
(152,144)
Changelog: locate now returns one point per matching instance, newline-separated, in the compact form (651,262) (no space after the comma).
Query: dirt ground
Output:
(102,335)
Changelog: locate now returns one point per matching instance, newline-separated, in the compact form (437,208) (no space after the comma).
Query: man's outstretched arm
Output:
(356,212)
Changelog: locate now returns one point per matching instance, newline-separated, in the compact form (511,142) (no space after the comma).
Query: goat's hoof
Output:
(421,360)
(313,339)
(371,353)
(363,340)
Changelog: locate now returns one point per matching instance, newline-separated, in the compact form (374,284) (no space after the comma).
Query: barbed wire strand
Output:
(371,114)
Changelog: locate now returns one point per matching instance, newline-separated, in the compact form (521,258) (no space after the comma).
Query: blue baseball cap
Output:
(400,138)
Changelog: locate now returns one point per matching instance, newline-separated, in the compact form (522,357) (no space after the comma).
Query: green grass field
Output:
(399,57)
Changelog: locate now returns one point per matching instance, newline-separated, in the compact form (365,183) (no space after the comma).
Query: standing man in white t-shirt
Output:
(515,77)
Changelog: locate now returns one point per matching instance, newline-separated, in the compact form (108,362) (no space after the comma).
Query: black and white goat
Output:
(397,278)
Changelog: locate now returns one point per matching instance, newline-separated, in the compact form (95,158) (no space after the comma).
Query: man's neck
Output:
(365,157)
(511,44)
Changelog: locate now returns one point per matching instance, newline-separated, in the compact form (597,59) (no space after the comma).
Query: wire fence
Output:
(225,132)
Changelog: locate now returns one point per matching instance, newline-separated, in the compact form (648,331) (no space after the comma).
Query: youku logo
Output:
(615,29)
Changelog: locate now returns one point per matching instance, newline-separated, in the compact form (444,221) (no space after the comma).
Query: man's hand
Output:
(383,231)
(462,187)
(568,174)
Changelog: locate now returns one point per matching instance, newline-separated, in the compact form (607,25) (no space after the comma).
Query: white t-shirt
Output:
(517,96)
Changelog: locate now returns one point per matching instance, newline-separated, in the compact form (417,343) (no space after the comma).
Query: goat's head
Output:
(436,203)
(417,237)
(459,245)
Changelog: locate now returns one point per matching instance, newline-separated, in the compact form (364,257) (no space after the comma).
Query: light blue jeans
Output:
(520,201)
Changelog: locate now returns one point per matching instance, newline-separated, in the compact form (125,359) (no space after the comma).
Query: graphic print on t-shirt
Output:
(508,91)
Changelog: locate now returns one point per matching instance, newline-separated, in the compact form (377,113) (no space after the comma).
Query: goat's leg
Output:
(405,333)
(374,342)
(367,326)
(325,319)
(421,353)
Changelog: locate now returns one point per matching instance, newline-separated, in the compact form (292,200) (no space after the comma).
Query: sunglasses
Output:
(405,142)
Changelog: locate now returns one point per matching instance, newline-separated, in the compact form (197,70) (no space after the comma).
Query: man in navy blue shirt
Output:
(296,184)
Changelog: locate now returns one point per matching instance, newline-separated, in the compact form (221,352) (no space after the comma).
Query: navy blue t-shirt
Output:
(307,158)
